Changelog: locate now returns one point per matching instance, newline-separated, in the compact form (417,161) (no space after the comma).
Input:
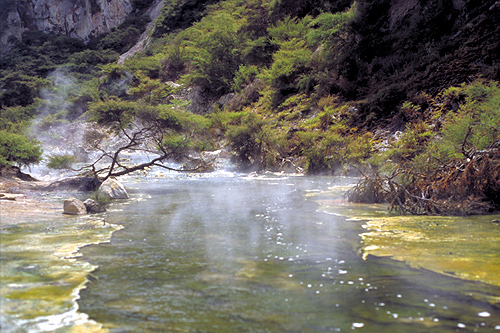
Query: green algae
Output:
(463,247)
(40,276)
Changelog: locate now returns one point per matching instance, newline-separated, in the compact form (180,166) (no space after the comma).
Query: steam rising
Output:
(59,124)
(56,125)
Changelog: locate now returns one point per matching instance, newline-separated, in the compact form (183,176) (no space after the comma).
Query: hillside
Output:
(314,86)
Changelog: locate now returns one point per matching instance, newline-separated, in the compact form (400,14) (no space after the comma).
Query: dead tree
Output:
(461,187)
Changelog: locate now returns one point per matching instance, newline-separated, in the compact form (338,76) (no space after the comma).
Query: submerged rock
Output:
(73,206)
(113,189)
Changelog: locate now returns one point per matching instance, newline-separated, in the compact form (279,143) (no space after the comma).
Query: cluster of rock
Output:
(109,189)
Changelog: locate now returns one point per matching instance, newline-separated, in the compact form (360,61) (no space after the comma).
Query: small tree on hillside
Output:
(16,149)
(165,130)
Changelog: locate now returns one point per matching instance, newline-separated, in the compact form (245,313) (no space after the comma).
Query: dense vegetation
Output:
(321,86)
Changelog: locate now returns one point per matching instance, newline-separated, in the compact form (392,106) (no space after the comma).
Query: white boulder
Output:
(73,206)
(113,189)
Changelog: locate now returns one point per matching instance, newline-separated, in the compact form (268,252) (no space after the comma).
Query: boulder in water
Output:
(73,206)
(93,206)
(113,189)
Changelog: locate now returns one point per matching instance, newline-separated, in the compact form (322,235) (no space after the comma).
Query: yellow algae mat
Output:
(41,277)
(463,247)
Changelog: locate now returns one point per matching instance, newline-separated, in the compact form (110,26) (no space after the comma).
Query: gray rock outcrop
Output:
(79,19)
(73,206)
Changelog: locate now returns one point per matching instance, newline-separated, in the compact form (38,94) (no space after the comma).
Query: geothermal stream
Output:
(228,252)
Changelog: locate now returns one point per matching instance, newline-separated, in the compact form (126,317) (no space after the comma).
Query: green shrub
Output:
(257,145)
(18,149)
(121,38)
(177,143)
(290,62)
(172,67)
(359,148)
(413,142)
(100,198)
(16,119)
(220,121)
(213,52)
(320,150)
(17,89)
(329,28)
(477,121)
(150,91)
(52,120)
(61,161)
(149,65)
(244,76)
(93,57)
(289,28)
(244,138)
(470,123)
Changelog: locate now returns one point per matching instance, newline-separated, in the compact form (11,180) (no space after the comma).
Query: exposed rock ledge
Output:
(80,19)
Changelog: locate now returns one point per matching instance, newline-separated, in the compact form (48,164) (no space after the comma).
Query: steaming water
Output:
(255,254)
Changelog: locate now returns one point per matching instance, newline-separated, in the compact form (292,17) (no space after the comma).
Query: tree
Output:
(165,130)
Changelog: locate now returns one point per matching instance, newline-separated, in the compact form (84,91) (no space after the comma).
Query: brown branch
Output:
(133,142)
(465,152)
(143,166)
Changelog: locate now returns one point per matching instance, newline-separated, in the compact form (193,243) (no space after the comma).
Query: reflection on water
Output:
(252,255)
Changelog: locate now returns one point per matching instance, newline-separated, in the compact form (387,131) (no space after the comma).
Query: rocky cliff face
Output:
(73,18)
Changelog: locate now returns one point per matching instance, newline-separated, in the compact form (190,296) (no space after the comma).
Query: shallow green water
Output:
(256,255)
(229,254)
